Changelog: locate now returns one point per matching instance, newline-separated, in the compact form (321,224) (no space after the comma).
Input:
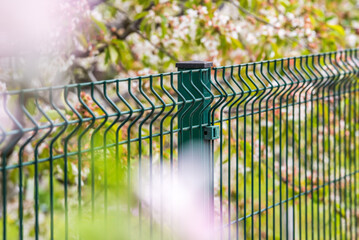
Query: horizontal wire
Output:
(292,198)
(146,137)
(138,110)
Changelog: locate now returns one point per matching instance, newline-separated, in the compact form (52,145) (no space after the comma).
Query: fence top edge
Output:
(109,81)
(287,58)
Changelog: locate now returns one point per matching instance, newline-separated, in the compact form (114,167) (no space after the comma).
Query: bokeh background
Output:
(68,41)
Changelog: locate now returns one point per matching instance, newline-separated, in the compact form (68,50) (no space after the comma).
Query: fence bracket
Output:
(211,132)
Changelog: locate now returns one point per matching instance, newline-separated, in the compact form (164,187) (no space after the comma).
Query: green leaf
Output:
(140,15)
(112,54)
(236,43)
(339,29)
(119,43)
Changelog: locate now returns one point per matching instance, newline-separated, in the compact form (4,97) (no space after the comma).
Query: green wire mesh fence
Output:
(277,142)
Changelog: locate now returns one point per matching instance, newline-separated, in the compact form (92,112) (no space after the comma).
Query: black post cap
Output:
(194,64)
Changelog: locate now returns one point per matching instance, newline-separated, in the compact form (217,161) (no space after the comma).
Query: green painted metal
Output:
(196,144)
(277,142)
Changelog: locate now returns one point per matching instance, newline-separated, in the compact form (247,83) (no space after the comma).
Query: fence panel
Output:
(275,142)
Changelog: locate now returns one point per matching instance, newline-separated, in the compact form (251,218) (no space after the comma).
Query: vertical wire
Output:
(221,150)
(21,151)
(253,99)
(306,162)
(345,113)
(92,168)
(94,133)
(309,86)
(261,97)
(339,84)
(329,150)
(275,94)
(324,83)
(240,100)
(128,188)
(293,155)
(229,146)
(36,182)
(317,94)
(293,91)
(288,93)
(352,137)
(150,148)
(118,114)
(351,157)
(245,143)
(252,152)
(280,161)
(348,54)
(306,87)
(269,95)
(335,155)
(355,145)
(312,156)
(128,183)
(314,92)
(273,146)
(179,109)
(139,152)
(211,151)
(320,87)
(298,89)
(229,163)
(343,177)
(79,125)
(223,98)
(326,116)
(221,161)
(132,123)
(162,109)
(236,101)
(161,143)
(299,154)
(284,91)
(286,157)
(104,87)
(245,168)
(237,166)
(123,122)
(338,92)
(350,152)
(323,106)
(245,146)
(280,93)
(65,160)
(161,160)
(36,190)
(331,86)
(4,173)
(317,153)
(79,151)
(4,156)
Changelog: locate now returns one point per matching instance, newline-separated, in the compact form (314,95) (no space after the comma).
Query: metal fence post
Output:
(195,135)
